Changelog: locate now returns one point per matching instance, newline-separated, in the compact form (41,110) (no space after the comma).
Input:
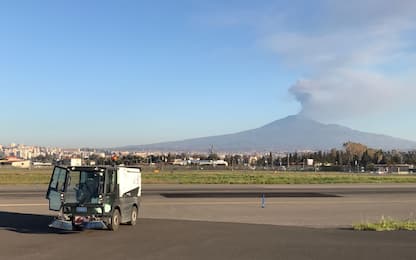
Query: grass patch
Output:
(42,176)
(261,177)
(24,176)
(387,224)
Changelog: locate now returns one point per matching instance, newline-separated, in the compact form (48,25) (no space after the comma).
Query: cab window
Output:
(110,180)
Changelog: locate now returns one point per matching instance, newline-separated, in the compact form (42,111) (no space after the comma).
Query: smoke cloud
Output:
(359,58)
(345,94)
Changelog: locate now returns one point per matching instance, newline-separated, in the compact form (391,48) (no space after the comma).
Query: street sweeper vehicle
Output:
(94,197)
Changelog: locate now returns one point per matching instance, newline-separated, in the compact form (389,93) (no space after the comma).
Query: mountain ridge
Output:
(292,133)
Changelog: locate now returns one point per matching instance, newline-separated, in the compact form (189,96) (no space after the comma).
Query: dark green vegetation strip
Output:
(42,176)
(249,177)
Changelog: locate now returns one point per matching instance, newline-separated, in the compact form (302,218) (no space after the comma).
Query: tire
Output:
(133,216)
(115,220)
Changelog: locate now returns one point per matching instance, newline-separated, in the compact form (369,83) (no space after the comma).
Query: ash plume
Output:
(358,58)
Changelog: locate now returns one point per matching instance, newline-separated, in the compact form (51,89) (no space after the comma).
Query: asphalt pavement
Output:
(220,222)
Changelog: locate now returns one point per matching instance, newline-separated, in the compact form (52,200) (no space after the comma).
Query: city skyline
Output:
(99,74)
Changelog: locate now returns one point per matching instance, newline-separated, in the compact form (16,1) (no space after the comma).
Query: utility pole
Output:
(211,149)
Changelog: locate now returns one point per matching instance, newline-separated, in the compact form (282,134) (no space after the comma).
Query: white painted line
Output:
(19,193)
(22,205)
(202,203)
(271,203)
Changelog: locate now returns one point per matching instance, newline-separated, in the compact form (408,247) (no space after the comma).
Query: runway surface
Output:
(221,222)
(325,206)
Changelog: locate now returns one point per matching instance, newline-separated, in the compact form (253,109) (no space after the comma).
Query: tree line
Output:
(352,155)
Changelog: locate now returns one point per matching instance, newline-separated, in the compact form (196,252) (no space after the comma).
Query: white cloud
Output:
(341,49)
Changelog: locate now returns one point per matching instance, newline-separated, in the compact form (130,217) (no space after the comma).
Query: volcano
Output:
(293,133)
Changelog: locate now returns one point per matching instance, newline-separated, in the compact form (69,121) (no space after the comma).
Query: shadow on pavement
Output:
(27,223)
(249,195)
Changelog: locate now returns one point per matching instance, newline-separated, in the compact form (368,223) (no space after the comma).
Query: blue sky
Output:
(101,73)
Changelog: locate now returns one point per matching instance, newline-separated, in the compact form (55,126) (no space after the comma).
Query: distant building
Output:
(76,162)
(394,169)
(100,155)
(179,162)
(252,160)
(210,162)
(400,169)
(220,163)
(26,164)
(42,164)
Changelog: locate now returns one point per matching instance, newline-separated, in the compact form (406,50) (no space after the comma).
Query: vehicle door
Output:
(126,203)
(57,186)
(110,183)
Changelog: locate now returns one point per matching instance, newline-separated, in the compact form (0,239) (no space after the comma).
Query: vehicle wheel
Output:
(115,220)
(133,216)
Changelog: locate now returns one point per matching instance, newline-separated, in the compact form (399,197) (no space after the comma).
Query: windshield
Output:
(84,187)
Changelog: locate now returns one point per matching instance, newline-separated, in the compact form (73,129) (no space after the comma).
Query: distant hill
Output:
(293,133)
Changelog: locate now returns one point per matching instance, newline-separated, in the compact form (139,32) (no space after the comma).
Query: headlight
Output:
(62,197)
(107,208)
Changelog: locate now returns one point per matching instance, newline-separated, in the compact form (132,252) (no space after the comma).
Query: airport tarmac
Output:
(221,222)
(327,206)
